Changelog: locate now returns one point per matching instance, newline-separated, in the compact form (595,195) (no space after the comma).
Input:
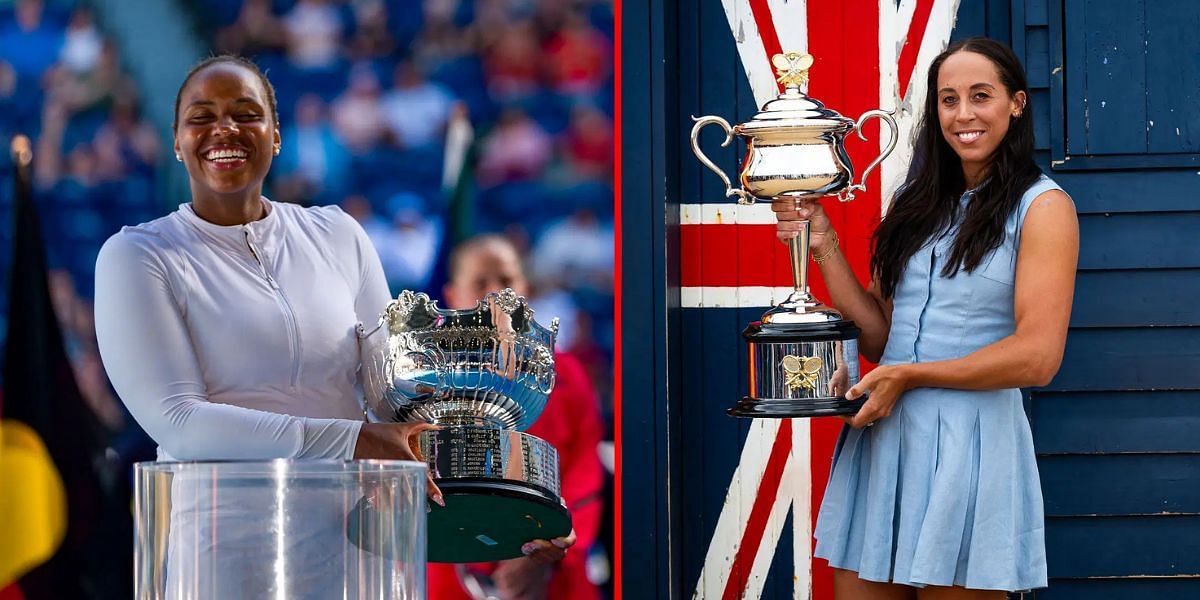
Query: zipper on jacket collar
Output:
(258,258)
(289,315)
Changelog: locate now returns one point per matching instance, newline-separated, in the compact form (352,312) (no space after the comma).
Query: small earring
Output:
(276,150)
(178,157)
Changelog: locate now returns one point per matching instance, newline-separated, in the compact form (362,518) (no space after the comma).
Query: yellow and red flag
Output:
(51,500)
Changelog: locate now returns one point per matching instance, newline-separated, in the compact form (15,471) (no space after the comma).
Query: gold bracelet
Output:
(821,259)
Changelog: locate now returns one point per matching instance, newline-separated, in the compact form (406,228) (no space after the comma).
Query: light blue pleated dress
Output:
(945,491)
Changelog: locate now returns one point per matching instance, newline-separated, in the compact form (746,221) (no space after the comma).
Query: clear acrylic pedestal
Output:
(280,529)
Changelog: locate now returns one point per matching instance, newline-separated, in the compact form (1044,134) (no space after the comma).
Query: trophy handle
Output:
(372,364)
(847,194)
(742,196)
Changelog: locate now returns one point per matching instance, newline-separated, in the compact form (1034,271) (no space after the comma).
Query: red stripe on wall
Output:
(843,39)
(912,43)
(756,250)
(764,500)
(690,243)
(732,256)
(746,255)
(766,29)
(727,256)
(719,262)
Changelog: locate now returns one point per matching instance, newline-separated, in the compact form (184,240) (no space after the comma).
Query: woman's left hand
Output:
(548,552)
(885,384)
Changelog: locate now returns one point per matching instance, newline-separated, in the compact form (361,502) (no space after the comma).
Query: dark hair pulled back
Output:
(230,59)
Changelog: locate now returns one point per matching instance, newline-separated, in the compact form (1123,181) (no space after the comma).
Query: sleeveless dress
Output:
(945,491)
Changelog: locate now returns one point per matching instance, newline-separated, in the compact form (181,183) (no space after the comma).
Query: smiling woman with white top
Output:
(228,326)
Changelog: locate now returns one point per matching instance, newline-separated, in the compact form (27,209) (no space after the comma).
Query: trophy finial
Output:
(508,300)
(791,68)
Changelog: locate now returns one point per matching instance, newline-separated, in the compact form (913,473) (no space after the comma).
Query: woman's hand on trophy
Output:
(396,441)
(884,384)
(548,551)
(790,211)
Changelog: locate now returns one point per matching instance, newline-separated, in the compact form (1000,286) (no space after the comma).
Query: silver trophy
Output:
(803,354)
(483,375)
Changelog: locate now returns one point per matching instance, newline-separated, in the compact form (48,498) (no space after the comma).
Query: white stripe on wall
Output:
(795,494)
(748,296)
(791,25)
(799,479)
(893,27)
(726,213)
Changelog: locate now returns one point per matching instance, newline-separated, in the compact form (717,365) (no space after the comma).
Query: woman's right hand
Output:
(396,441)
(789,211)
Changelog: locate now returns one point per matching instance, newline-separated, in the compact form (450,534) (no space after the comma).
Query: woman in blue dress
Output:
(934,491)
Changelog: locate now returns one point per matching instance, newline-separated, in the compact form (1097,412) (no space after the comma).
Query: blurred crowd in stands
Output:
(368,89)
(369,92)
(96,167)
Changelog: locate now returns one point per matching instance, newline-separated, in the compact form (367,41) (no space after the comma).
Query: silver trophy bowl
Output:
(483,375)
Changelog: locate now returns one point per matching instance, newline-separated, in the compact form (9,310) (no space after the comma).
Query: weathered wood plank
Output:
(1173,75)
(1127,191)
(1163,358)
(692,103)
(1144,241)
(1121,589)
(1123,546)
(1040,103)
(1074,123)
(1128,298)
(1112,422)
(1120,484)
(1037,57)
(715,57)
(1036,13)
(1114,101)
(985,18)
(1127,162)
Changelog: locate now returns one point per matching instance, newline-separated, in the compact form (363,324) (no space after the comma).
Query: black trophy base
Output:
(773,408)
(767,340)
(795,333)
(486,520)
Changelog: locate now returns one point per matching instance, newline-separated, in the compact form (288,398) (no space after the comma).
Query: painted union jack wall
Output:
(867,55)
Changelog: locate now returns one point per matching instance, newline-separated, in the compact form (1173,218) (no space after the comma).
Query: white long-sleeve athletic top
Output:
(238,342)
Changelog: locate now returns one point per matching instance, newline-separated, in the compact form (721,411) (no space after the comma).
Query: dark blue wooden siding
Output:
(1116,431)
(650,524)
(1130,84)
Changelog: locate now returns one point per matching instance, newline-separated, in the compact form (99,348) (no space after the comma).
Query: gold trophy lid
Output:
(793,110)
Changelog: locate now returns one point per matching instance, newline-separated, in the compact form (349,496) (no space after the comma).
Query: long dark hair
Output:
(928,201)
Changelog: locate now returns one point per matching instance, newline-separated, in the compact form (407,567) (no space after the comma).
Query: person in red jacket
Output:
(570,421)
